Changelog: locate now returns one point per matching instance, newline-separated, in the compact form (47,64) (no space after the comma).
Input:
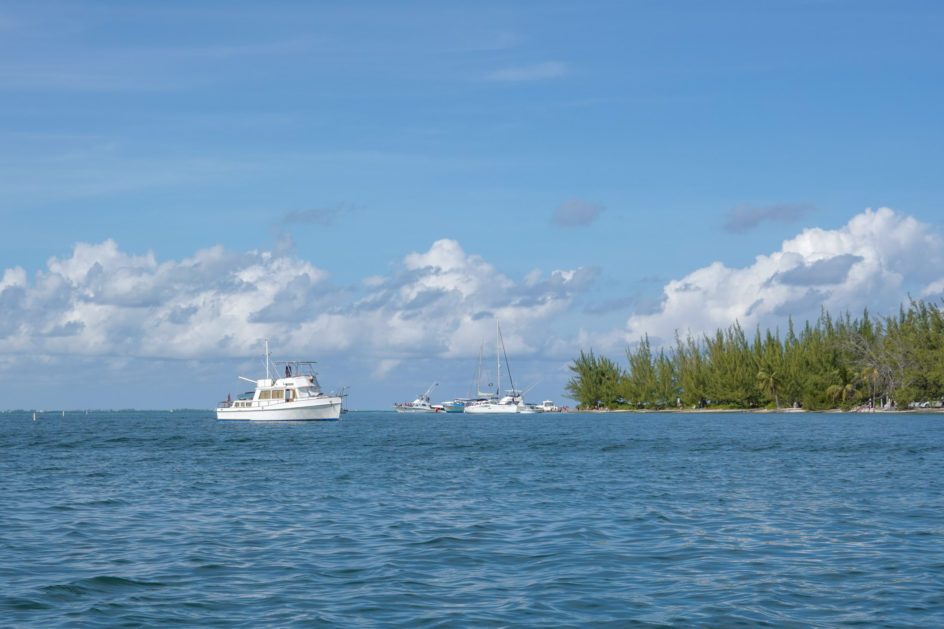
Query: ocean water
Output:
(614,520)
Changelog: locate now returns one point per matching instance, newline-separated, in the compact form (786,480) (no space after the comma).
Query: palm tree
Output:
(768,380)
(836,391)
(842,386)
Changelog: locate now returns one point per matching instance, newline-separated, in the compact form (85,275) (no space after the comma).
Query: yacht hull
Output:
(327,409)
(486,409)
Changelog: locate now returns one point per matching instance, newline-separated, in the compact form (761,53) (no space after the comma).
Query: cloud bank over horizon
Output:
(874,261)
(218,303)
(439,303)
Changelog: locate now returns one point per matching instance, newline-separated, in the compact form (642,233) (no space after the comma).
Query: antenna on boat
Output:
(528,390)
(267,357)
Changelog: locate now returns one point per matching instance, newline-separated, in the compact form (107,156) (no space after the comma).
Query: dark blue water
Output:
(146,519)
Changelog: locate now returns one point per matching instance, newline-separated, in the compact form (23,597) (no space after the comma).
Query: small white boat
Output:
(454,406)
(295,397)
(547,406)
(420,404)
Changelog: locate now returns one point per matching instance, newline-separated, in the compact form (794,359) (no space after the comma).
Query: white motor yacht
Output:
(296,396)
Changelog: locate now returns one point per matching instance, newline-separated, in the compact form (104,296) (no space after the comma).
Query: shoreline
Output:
(867,411)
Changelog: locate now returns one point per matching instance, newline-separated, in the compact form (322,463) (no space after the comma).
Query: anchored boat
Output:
(512,401)
(296,396)
(420,404)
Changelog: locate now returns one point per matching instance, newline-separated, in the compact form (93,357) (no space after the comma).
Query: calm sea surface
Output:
(157,518)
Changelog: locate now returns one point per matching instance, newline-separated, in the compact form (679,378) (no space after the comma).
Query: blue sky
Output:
(371,184)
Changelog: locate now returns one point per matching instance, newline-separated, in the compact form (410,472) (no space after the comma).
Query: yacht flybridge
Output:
(296,396)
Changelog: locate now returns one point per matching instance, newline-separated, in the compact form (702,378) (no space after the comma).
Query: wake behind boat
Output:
(295,397)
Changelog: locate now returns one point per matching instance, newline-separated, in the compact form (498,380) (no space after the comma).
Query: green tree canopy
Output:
(832,362)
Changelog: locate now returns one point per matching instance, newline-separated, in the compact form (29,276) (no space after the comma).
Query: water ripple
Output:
(143,519)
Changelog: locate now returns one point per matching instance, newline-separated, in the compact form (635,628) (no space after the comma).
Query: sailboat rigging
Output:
(512,401)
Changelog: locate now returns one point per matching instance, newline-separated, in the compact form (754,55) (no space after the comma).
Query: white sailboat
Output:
(512,401)
(295,397)
(476,394)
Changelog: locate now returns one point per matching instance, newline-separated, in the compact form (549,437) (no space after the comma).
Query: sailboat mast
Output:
(507,366)
(478,374)
(498,356)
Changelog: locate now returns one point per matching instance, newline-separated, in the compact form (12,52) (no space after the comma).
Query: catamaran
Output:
(458,405)
(296,396)
(512,401)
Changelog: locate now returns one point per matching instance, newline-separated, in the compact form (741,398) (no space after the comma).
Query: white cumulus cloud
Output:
(101,314)
(101,301)
(874,261)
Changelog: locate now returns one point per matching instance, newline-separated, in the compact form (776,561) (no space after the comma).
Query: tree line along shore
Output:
(845,363)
